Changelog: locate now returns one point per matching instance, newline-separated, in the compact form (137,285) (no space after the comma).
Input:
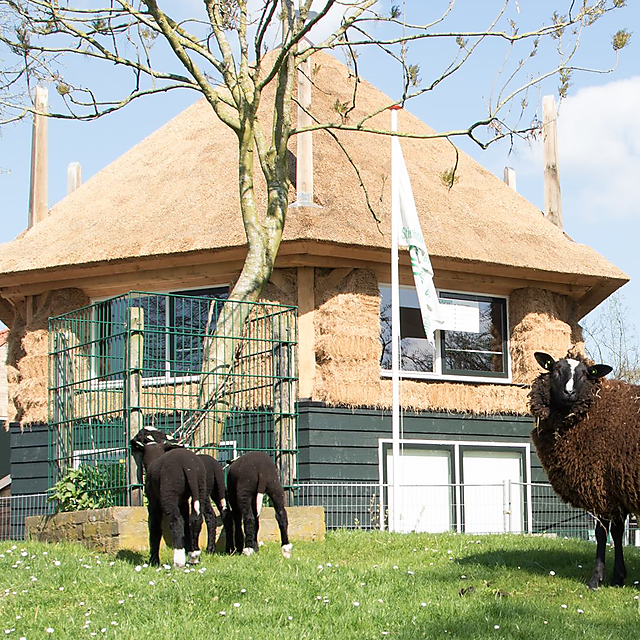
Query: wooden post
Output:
(134,392)
(304,160)
(38,196)
(552,202)
(74,177)
(306,331)
(510,177)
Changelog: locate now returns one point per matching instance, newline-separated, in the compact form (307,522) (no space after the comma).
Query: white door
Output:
(490,504)
(425,493)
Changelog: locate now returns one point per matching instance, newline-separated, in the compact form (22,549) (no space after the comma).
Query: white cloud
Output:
(599,143)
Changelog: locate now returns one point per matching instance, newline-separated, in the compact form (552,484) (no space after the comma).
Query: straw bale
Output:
(28,352)
(348,349)
(459,397)
(540,321)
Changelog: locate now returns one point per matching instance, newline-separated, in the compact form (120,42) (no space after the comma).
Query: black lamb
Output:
(248,479)
(216,491)
(587,435)
(175,477)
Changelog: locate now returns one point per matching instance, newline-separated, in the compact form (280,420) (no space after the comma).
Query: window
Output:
(472,344)
(174,328)
(475,487)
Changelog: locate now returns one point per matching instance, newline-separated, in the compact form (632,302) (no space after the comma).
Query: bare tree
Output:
(612,338)
(220,49)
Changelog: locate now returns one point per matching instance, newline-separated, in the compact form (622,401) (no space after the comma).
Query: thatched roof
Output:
(175,194)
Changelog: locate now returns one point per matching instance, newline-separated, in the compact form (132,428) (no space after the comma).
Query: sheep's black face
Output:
(150,435)
(570,379)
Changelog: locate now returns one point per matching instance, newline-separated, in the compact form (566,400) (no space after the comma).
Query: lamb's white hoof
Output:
(248,551)
(178,558)
(286,550)
(194,557)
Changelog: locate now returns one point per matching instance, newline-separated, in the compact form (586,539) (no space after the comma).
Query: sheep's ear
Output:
(544,360)
(599,371)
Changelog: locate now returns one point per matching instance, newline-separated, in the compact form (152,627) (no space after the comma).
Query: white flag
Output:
(410,235)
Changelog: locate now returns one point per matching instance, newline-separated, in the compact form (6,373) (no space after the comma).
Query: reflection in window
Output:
(174,328)
(473,343)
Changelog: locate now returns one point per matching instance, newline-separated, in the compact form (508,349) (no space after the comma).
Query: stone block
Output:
(119,528)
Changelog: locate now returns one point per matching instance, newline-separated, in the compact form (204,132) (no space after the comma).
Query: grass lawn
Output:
(353,585)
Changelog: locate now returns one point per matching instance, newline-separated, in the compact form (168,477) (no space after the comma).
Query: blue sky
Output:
(599,136)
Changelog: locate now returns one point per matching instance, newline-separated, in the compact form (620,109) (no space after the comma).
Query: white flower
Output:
(138,568)
(563,606)
(552,573)
(290,618)
(496,626)
(236,604)
(410,573)
(356,604)
(423,604)
(49,629)
(580,611)
(223,613)
(152,583)
(245,591)
(57,563)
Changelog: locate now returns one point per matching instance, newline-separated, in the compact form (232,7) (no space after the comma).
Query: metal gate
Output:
(220,375)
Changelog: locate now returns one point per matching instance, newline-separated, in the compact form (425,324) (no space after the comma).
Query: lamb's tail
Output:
(194,488)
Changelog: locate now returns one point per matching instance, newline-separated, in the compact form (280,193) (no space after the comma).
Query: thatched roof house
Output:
(165,217)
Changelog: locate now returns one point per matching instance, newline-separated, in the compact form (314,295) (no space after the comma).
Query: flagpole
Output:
(395,327)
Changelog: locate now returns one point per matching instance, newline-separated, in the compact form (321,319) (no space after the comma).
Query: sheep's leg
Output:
(619,570)
(227,522)
(247,506)
(193,529)
(178,526)
(210,520)
(283,524)
(155,534)
(602,531)
(237,523)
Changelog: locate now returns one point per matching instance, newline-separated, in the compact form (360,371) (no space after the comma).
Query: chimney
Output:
(74,178)
(552,201)
(304,160)
(38,197)
(510,177)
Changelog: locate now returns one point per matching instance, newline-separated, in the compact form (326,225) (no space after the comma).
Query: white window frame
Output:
(437,373)
(384,444)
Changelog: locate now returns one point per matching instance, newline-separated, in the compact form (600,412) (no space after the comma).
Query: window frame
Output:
(456,450)
(150,381)
(439,372)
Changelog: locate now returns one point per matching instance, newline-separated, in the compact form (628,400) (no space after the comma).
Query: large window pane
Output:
(416,353)
(473,342)
(190,315)
(481,350)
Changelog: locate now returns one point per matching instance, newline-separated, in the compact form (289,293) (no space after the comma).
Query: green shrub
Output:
(90,487)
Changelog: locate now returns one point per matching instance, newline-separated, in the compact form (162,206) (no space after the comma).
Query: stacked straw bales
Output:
(28,353)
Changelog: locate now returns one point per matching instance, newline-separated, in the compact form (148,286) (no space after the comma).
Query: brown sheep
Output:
(587,435)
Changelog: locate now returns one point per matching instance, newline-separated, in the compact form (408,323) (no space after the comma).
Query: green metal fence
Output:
(218,374)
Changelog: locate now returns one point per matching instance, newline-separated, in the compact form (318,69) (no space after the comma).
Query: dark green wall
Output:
(5,450)
(29,456)
(341,444)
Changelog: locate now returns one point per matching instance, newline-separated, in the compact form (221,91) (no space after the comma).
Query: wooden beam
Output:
(552,201)
(74,177)
(281,281)
(306,331)
(38,195)
(510,177)
(335,278)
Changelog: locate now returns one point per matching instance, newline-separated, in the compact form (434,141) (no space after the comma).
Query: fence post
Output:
(134,394)
(506,504)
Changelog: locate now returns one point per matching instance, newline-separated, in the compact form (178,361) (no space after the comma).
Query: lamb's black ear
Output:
(599,371)
(544,360)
